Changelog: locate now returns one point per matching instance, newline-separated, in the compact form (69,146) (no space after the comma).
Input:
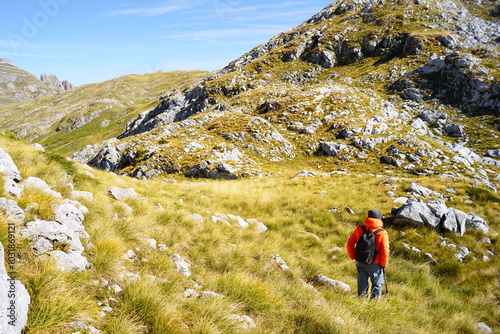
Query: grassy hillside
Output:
(450,297)
(70,120)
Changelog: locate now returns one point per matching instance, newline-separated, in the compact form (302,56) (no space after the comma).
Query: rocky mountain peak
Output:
(6,61)
(54,82)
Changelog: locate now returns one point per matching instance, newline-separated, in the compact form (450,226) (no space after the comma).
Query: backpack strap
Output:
(375,233)
(363,227)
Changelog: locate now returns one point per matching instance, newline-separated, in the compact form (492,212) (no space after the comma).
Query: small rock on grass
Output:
(283,266)
(182,265)
(349,210)
(323,280)
(483,328)
(244,321)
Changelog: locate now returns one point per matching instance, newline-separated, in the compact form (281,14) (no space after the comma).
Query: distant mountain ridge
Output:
(18,85)
(70,118)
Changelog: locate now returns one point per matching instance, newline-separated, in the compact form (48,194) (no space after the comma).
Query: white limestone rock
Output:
(52,231)
(8,167)
(282,264)
(182,265)
(121,194)
(243,321)
(85,195)
(14,302)
(151,242)
(261,228)
(38,147)
(238,220)
(69,215)
(42,246)
(41,185)
(12,188)
(323,280)
(11,210)
(197,218)
(70,261)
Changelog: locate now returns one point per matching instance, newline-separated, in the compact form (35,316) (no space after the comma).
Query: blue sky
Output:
(86,41)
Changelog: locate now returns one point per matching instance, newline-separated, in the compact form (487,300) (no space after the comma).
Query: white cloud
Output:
(33,55)
(18,44)
(188,65)
(217,34)
(147,11)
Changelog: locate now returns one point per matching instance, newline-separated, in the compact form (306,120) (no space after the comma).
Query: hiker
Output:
(370,263)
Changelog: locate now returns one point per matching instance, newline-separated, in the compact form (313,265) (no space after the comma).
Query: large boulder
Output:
(454,130)
(455,221)
(14,301)
(107,159)
(416,213)
(207,169)
(437,215)
(476,223)
(332,149)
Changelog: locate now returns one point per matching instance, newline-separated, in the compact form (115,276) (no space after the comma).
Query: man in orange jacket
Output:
(374,271)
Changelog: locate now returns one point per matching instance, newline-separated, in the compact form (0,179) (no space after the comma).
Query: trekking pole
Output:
(386,287)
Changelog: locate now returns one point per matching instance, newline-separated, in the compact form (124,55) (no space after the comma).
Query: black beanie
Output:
(374,213)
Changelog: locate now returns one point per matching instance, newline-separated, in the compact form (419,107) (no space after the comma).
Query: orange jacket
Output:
(381,239)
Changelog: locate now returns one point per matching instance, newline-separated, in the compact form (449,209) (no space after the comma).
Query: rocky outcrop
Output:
(52,82)
(61,241)
(436,215)
(108,159)
(207,170)
(175,108)
(11,175)
(454,79)
(14,300)
(11,210)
